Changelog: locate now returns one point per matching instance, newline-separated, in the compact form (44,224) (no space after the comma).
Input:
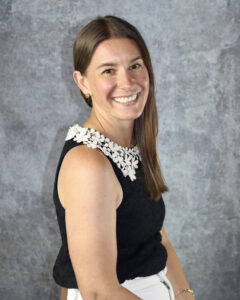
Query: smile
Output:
(126,99)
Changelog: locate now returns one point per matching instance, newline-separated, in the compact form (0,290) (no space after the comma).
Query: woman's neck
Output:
(121,135)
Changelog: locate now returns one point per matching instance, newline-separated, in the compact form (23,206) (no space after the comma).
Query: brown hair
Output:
(146,126)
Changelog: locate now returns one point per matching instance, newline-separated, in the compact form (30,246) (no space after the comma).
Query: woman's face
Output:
(117,80)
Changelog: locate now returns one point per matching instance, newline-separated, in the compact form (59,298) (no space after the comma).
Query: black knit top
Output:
(139,219)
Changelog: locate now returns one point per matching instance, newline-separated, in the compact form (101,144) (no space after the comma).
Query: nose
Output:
(125,79)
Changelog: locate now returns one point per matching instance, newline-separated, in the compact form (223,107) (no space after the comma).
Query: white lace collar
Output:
(126,158)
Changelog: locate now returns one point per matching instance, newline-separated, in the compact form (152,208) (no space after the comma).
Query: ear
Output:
(81,82)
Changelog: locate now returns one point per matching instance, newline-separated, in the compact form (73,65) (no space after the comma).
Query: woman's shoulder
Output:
(126,159)
(83,157)
(87,150)
(86,167)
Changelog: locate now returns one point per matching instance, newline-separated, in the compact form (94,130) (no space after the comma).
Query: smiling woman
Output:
(108,186)
(118,94)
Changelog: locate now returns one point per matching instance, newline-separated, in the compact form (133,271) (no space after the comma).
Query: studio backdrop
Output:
(195,51)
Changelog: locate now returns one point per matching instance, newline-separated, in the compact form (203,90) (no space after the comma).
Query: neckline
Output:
(109,140)
(126,158)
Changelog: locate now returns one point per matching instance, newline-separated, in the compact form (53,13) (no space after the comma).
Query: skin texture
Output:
(87,185)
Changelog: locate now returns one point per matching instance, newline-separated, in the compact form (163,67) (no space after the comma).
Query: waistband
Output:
(143,282)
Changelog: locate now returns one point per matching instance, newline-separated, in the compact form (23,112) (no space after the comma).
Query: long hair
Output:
(145,126)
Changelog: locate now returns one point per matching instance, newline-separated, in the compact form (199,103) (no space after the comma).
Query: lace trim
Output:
(126,158)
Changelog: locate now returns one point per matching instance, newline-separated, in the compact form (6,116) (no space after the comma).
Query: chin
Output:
(132,116)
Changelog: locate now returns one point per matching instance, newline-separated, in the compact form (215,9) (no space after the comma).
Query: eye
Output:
(135,66)
(108,71)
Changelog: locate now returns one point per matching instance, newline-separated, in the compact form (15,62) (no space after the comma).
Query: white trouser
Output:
(153,287)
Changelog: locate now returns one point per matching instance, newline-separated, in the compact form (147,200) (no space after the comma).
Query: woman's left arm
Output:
(175,272)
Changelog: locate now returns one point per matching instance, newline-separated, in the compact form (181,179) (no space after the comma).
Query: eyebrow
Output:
(109,64)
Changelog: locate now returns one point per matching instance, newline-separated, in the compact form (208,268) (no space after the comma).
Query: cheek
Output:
(144,80)
(104,86)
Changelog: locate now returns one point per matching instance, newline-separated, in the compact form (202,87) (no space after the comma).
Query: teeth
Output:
(125,100)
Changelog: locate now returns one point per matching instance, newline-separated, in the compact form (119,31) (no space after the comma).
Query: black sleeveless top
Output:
(139,219)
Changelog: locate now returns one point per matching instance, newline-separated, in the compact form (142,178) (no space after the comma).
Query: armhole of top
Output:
(59,168)
(120,192)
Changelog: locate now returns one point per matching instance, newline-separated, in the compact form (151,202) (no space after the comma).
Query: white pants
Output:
(153,287)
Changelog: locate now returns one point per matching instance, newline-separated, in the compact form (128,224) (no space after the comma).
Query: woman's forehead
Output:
(115,49)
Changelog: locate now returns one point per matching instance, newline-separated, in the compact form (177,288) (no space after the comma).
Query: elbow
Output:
(95,296)
(89,295)
(99,293)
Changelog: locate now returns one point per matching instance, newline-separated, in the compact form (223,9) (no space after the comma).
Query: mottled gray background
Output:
(195,49)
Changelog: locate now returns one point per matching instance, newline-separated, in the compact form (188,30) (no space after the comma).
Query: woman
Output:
(108,186)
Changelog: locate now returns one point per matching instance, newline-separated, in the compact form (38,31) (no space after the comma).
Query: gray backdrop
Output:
(195,49)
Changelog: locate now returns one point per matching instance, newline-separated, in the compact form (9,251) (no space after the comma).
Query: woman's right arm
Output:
(87,187)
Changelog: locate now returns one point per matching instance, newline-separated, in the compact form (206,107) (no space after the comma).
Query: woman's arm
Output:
(175,272)
(88,189)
